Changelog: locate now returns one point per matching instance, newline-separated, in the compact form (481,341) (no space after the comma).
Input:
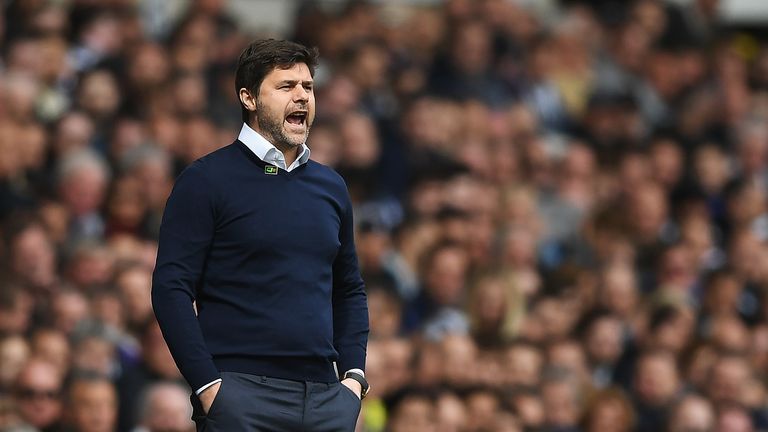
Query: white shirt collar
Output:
(267,152)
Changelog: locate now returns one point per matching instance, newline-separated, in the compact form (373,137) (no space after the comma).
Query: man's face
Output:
(446,276)
(560,404)
(729,378)
(523,366)
(604,340)
(38,394)
(169,411)
(656,379)
(94,406)
(33,257)
(285,106)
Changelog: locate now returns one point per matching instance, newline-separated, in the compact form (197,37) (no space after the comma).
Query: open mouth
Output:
(298,118)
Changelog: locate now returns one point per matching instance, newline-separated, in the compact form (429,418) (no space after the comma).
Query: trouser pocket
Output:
(198,414)
(352,403)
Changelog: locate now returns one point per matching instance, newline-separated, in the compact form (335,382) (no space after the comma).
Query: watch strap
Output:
(361,379)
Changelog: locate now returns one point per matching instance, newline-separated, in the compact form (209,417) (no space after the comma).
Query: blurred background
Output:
(560,205)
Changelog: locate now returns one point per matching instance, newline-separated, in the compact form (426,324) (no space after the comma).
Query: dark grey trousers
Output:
(258,403)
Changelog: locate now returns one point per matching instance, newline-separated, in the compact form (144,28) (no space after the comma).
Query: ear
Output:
(247,99)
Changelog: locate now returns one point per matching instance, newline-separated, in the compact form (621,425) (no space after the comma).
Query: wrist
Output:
(353,385)
(361,381)
(208,395)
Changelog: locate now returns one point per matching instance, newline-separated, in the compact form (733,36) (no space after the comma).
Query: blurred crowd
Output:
(560,207)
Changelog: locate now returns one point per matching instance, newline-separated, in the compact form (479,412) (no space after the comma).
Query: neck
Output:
(290,153)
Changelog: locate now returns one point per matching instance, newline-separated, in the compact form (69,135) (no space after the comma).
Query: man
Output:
(165,408)
(692,413)
(656,386)
(82,181)
(261,238)
(38,395)
(156,365)
(92,403)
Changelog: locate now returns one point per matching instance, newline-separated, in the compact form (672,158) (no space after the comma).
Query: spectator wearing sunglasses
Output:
(38,395)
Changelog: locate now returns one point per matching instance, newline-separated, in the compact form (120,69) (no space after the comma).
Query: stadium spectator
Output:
(165,408)
(91,403)
(38,395)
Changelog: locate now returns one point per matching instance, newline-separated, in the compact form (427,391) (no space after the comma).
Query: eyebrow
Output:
(294,82)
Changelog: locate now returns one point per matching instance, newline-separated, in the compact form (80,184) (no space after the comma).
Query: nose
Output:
(300,94)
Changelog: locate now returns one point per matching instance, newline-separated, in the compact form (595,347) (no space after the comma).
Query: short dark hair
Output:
(87,378)
(263,56)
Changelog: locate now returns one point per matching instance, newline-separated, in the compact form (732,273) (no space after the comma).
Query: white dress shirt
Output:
(268,152)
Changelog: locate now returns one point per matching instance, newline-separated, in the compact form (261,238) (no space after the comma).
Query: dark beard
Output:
(273,130)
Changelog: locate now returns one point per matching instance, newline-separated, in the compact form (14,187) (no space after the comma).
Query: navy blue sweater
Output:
(270,261)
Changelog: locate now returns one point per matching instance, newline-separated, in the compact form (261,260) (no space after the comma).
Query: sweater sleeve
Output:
(350,307)
(186,232)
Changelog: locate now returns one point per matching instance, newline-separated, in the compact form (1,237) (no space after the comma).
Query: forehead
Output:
(101,389)
(297,72)
(39,374)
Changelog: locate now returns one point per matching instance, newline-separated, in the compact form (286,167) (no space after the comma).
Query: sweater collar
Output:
(267,152)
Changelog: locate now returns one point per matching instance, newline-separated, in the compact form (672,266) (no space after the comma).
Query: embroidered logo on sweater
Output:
(270,169)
